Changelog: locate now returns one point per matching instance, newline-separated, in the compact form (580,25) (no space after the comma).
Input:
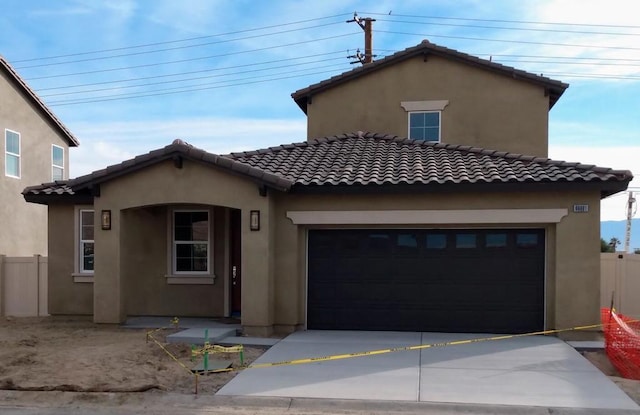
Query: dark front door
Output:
(449,280)
(236,261)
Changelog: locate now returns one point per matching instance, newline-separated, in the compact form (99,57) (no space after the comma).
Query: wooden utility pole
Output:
(627,234)
(365,24)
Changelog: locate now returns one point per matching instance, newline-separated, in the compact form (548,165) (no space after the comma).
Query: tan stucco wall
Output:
(24,225)
(131,258)
(146,262)
(573,267)
(485,109)
(66,297)
(196,184)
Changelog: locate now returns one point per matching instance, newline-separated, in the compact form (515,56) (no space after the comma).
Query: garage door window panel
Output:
(496,240)
(436,241)
(466,241)
(527,240)
(407,244)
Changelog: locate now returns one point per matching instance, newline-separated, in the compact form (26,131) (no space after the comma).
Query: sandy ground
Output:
(53,354)
(46,354)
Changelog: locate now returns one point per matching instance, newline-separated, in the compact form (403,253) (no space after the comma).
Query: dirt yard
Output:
(53,354)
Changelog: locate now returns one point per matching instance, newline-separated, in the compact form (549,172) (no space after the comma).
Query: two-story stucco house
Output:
(34,147)
(465,225)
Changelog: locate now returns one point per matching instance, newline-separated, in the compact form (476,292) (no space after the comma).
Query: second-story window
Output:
(424,125)
(57,162)
(12,153)
(425,119)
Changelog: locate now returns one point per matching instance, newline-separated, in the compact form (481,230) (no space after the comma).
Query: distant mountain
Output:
(616,228)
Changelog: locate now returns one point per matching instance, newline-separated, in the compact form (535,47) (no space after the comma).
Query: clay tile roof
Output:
(175,151)
(367,159)
(361,159)
(425,48)
(35,99)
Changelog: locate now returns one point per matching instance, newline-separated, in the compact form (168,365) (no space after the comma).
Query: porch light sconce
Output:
(106,220)
(254,220)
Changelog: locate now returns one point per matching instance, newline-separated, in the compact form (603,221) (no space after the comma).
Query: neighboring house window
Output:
(57,162)
(12,153)
(86,246)
(191,241)
(425,119)
(424,126)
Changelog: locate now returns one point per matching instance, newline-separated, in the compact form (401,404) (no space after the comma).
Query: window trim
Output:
(8,153)
(79,274)
(81,241)
(173,244)
(53,163)
(422,107)
(425,112)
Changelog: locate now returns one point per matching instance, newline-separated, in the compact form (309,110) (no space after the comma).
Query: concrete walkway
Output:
(529,371)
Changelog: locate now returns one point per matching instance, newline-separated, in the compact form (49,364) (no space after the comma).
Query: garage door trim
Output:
(426,217)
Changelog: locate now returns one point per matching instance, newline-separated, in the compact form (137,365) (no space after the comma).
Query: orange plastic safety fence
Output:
(622,342)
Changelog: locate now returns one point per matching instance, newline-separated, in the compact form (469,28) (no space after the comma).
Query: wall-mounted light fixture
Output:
(106,220)
(254,220)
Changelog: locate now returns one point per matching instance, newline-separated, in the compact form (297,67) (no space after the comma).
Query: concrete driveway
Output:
(530,371)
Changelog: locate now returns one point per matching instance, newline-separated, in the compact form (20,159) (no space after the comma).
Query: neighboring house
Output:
(354,231)
(34,147)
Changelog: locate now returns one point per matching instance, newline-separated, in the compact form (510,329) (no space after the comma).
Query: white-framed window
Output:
(424,119)
(191,234)
(12,153)
(86,243)
(424,125)
(57,162)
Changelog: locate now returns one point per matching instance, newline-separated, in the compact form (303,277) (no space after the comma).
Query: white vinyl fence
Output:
(23,286)
(620,278)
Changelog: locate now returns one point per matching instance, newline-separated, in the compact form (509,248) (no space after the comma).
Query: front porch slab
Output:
(197,335)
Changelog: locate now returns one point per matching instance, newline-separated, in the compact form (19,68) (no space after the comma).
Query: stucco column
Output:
(107,286)
(257,274)
(1,284)
(289,257)
(578,269)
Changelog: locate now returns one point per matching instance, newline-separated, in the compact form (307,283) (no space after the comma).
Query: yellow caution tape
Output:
(404,349)
(171,355)
(370,352)
(214,348)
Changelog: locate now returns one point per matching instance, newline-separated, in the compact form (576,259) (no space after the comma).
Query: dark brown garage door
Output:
(474,280)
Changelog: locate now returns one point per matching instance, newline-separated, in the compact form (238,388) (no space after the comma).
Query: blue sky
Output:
(131,76)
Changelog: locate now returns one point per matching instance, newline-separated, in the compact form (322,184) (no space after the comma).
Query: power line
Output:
(188,72)
(538,56)
(120,87)
(568,63)
(117,98)
(510,41)
(595,76)
(181,40)
(506,21)
(193,59)
(526,29)
(174,48)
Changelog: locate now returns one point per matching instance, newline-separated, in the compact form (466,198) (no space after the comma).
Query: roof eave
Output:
(555,88)
(35,100)
(605,188)
(185,152)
